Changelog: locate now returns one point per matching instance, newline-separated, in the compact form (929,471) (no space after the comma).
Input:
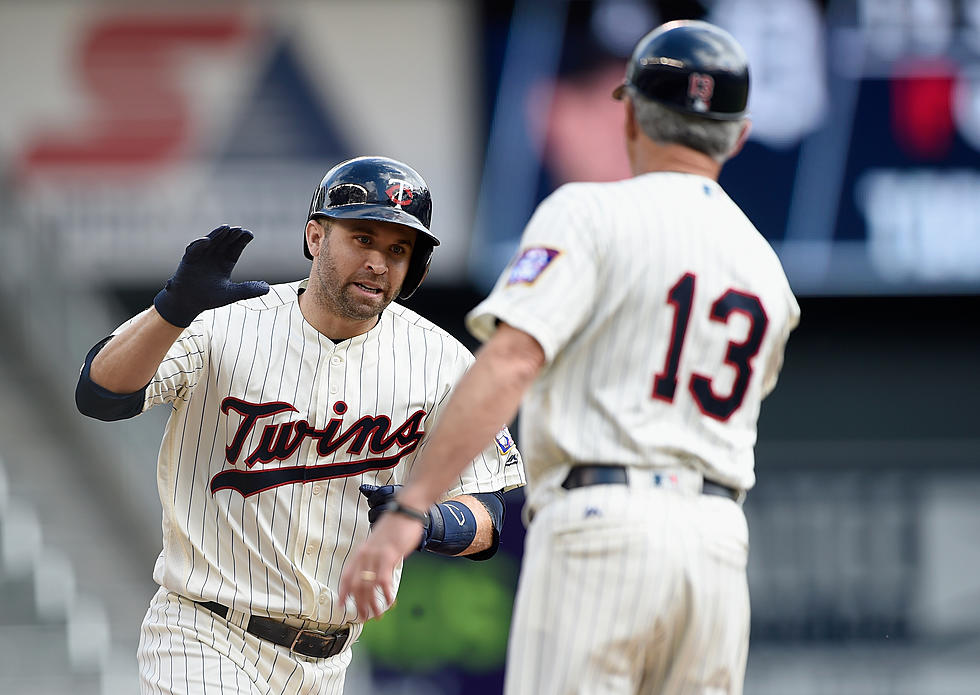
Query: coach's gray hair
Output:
(717,139)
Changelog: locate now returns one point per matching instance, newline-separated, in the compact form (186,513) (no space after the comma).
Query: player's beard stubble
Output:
(338,295)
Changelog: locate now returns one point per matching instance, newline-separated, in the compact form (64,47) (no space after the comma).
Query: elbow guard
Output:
(451,529)
(100,403)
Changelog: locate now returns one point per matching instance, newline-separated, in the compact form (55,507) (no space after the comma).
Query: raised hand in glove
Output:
(203,277)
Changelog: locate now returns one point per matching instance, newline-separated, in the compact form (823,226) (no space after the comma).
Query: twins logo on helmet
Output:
(699,90)
(400,192)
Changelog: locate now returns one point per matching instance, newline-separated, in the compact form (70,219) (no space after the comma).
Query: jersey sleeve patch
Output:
(530,264)
(504,441)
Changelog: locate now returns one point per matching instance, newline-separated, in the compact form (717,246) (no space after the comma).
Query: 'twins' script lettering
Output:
(280,441)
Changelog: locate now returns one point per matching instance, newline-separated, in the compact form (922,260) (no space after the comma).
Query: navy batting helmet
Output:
(693,67)
(383,189)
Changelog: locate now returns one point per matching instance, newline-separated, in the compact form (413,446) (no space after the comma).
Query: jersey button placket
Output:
(308,543)
(336,377)
(327,390)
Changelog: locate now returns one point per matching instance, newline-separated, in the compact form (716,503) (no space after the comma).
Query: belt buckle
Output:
(325,644)
(323,638)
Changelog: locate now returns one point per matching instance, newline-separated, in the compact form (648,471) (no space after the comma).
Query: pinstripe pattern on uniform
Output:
(603,304)
(281,551)
(656,576)
(224,659)
(637,568)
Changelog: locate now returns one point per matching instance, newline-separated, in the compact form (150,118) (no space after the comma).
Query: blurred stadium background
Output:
(126,129)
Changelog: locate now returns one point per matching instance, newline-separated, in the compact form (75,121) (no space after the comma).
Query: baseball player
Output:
(642,322)
(297,410)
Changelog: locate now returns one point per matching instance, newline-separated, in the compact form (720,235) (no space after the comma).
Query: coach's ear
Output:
(742,138)
(630,126)
(316,232)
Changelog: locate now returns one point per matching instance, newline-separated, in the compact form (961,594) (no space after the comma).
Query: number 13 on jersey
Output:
(738,355)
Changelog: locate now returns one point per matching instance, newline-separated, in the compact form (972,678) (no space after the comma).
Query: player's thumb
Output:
(247,290)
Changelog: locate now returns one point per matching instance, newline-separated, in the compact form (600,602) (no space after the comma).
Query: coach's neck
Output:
(646,156)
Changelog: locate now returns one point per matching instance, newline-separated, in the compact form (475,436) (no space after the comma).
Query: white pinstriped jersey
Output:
(663,315)
(273,428)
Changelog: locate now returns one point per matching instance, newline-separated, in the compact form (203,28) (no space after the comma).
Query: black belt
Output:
(320,645)
(594,474)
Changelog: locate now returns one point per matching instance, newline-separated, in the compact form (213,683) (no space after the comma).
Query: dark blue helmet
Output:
(693,67)
(383,189)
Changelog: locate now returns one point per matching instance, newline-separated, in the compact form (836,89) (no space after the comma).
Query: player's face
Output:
(361,266)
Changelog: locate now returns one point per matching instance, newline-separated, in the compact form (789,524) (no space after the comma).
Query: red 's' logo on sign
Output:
(140,115)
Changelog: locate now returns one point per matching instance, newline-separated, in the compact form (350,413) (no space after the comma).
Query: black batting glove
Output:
(378,498)
(203,277)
